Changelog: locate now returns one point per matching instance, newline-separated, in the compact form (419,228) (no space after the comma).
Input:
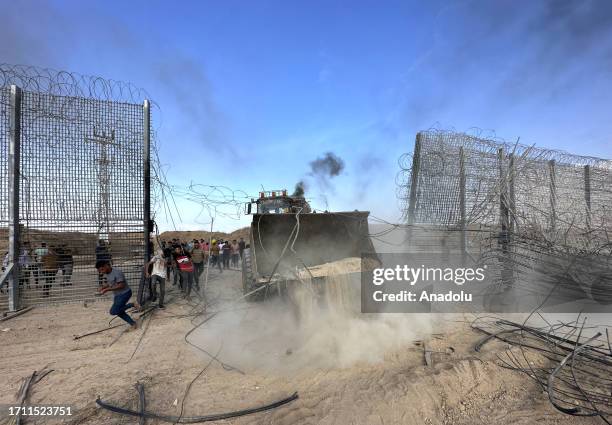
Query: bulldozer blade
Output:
(307,239)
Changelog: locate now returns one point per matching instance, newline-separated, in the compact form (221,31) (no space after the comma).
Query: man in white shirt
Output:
(157,271)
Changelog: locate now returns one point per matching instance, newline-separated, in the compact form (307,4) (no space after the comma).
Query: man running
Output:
(117,284)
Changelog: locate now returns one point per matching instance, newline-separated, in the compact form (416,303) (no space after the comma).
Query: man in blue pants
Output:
(117,284)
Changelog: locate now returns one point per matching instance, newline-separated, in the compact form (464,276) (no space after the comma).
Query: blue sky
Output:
(250,93)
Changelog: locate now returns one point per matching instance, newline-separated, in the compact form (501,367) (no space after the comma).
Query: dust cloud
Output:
(319,325)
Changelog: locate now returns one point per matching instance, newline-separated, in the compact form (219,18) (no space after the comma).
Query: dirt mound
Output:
(202,234)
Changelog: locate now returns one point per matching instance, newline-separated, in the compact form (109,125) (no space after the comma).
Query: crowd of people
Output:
(182,263)
(185,261)
(42,265)
(199,254)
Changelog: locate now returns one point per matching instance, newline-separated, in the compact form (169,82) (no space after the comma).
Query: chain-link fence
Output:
(80,158)
(538,214)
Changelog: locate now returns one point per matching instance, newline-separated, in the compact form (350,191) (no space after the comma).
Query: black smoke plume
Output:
(300,189)
(323,168)
(328,166)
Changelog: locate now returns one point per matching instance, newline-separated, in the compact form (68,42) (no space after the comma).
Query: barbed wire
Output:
(69,84)
(569,361)
(213,201)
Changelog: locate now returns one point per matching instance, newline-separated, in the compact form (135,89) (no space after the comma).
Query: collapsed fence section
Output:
(79,169)
(542,217)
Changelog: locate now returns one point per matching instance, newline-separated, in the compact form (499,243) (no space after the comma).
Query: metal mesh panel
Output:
(482,184)
(438,192)
(538,215)
(532,193)
(81,188)
(438,183)
(4,182)
(82,181)
(601,199)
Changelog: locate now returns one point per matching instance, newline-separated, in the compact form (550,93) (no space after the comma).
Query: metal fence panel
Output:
(4,186)
(438,191)
(82,192)
(536,215)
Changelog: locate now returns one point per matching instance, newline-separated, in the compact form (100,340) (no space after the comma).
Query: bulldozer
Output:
(289,242)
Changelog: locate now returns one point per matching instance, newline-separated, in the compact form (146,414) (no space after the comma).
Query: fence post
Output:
(13,201)
(587,194)
(147,179)
(553,195)
(414,179)
(146,207)
(462,207)
(507,272)
(503,193)
(512,195)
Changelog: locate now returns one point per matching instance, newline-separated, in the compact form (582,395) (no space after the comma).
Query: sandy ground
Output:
(346,371)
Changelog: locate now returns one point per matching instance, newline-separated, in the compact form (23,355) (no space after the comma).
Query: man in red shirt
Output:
(185,269)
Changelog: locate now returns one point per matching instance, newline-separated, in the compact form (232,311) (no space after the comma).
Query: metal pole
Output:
(210,237)
(147,179)
(503,193)
(462,218)
(13,157)
(512,195)
(553,195)
(507,272)
(414,180)
(587,194)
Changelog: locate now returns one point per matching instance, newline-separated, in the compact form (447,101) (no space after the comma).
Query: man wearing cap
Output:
(214,255)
